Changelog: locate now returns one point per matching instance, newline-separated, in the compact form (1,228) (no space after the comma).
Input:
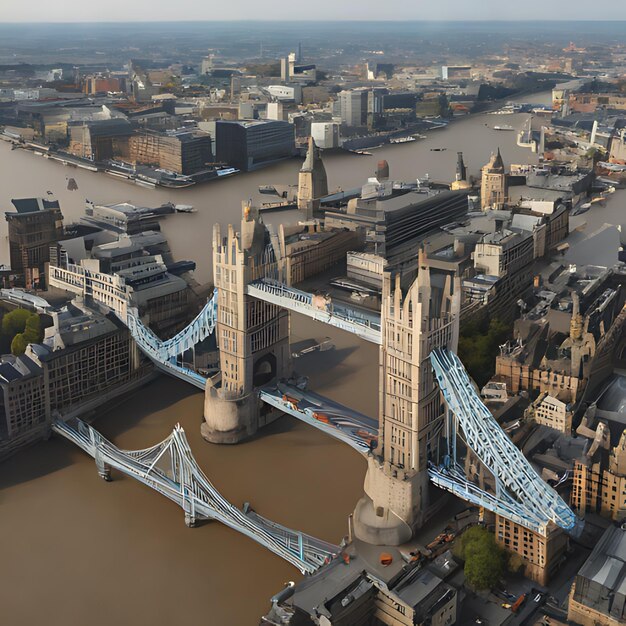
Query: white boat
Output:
(503,127)
(612,167)
(184,208)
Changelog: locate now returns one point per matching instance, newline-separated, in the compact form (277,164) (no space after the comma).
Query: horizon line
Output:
(323,20)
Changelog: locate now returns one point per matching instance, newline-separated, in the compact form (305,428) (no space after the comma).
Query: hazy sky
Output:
(191,10)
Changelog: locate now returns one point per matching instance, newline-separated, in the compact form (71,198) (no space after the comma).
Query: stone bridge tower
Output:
(312,181)
(252,335)
(398,495)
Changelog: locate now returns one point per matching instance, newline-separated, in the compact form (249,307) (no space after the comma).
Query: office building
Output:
(85,360)
(456,72)
(393,223)
(36,224)
(325,134)
(353,107)
(182,152)
(598,595)
(250,144)
(100,140)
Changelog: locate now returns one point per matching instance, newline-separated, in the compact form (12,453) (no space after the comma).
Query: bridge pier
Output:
(104,470)
(190,520)
(228,417)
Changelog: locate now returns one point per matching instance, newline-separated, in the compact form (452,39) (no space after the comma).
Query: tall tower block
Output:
(398,495)
(252,335)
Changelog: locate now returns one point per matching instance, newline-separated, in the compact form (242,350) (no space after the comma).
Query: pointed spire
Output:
(311,156)
(498,162)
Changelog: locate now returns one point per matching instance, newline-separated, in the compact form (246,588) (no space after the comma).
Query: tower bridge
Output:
(411,449)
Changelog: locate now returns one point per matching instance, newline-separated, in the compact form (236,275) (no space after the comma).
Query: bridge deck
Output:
(336,420)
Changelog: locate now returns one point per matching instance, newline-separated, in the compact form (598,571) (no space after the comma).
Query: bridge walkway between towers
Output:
(365,324)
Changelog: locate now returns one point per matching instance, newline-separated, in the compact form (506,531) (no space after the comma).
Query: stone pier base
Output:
(393,505)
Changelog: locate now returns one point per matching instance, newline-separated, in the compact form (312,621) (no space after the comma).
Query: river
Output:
(76,550)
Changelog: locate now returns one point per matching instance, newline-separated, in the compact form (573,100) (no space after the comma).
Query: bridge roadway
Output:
(171,469)
(336,420)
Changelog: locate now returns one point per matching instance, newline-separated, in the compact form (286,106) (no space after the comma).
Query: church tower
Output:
(493,190)
(398,495)
(312,181)
(460,179)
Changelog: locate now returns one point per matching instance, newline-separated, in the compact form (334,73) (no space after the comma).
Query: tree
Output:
(19,344)
(478,347)
(19,328)
(484,559)
(15,322)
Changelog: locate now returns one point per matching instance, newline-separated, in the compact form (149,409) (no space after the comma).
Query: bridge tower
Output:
(398,496)
(252,335)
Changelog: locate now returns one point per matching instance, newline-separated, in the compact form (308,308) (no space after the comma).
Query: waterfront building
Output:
(122,275)
(312,181)
(325,134)
(85,360)
(183,152)
(493,189)
(36,224)
(598,594)
(100,139)
(394,221)
(354,107)
(250,144)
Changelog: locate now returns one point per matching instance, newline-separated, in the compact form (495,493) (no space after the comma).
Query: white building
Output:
(551,412)
(325,134)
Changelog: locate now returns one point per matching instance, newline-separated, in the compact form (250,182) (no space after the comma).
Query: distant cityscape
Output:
(495,482)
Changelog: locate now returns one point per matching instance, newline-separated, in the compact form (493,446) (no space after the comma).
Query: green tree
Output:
(19,328)
(478,347)
(15,322)
(484,559)
(32,331)
(19,344)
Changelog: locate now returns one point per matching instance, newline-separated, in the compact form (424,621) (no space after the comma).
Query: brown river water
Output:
(75,550)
